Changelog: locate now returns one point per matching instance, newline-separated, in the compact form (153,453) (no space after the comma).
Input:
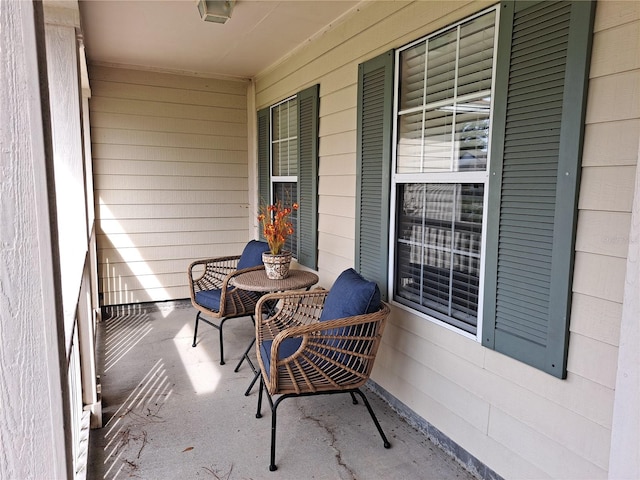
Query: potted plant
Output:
(276,227)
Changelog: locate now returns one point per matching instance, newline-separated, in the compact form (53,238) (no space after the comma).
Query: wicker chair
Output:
(213,296)
(317,353)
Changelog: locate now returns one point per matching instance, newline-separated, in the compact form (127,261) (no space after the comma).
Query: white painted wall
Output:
(520,422)
(171,178)
(608,290)
(32,382)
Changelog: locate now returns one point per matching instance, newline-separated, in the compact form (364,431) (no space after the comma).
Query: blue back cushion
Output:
(351,295)
(252,254)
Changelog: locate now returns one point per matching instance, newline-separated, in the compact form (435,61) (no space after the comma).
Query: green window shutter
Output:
(540,99)
(264,170)
(308,106)
(374,136)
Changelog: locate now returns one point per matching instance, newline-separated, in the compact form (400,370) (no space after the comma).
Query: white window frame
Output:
(440,177)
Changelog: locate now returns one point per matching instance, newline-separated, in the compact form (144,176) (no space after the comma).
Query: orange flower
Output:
(276,226)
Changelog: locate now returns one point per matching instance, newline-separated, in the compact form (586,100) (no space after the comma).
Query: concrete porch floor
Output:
(171,411)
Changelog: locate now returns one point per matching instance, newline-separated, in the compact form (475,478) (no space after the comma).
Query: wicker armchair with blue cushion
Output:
(320,342)
(213,295)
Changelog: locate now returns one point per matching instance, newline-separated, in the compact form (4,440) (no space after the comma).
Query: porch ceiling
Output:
(169,35)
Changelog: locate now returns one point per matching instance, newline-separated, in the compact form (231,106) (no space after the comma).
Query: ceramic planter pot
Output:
(276,266)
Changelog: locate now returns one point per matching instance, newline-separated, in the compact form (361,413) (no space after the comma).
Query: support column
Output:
(33,400)
(624,458)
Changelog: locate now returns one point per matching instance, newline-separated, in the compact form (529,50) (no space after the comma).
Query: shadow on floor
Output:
(171,411)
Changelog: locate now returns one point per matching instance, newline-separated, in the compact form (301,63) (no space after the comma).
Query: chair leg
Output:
(195,330)
(373,417)
(274,407)
(253,382)
(245,355)
(260,388)
(221,341)
(219,327)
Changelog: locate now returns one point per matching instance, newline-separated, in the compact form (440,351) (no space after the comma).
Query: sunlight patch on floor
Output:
(203,373)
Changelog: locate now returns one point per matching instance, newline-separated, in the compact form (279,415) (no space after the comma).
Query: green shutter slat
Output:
(308,175)
(533,320)
(530,295)
(531,334)
(264,172)
(538,125)
(375,104)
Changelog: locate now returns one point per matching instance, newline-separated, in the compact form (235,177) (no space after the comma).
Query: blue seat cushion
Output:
(209,299)
(288,347)
(252,254)
(351,295)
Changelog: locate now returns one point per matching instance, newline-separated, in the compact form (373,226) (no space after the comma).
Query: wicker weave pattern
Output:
(334,355)
(217,274)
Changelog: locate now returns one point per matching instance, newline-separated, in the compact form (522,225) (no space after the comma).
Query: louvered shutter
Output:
(308,104)
(375,110)
(264,170)
(543,58)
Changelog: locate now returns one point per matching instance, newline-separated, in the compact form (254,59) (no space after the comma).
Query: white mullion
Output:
(455,100)
(445,104)
(271,143)
(284,178)
(474,176)
(282,114)
(424,103)
(423,243)
(454,206)
(288,138)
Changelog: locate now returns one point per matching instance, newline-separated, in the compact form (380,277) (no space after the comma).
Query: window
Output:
(485,172)
(288,165)
(440,169)
(284,162)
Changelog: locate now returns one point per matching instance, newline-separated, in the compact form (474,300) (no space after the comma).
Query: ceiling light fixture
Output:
(217,11)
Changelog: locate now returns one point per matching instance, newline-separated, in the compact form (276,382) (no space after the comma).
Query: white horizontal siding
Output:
(165,109)
(519,421)
(610,160)
(167,168)
(171,178)
(125,136)
(167,154)
(193,200)
(603,232)
(603,139)
(169,124)
(596,318)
